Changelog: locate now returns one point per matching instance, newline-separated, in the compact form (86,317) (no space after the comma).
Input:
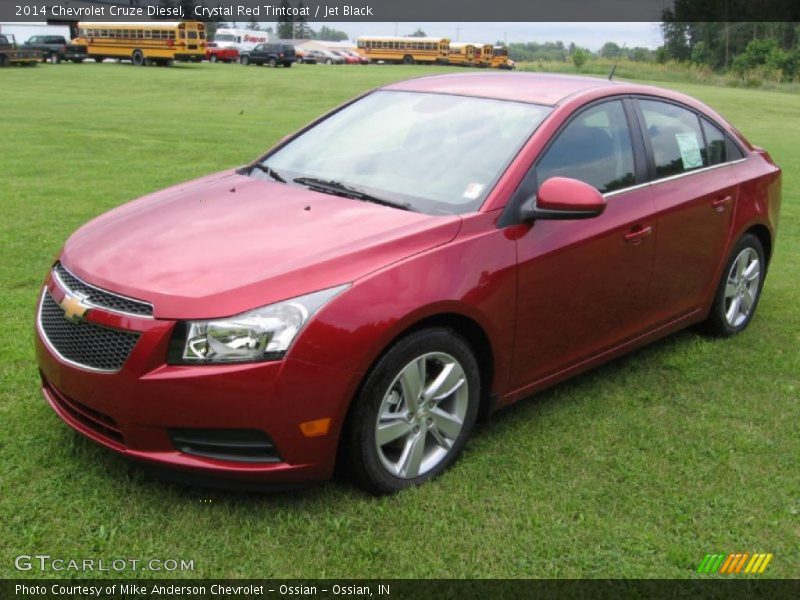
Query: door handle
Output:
(720,203)
(638,233)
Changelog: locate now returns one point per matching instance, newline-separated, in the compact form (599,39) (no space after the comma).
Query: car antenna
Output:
(614,68)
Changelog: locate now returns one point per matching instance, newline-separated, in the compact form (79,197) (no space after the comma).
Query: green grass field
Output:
(636,469)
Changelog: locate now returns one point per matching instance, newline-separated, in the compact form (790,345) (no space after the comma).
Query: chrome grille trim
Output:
(46,296)
(95,295)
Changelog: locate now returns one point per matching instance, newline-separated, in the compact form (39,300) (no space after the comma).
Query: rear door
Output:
(695,193)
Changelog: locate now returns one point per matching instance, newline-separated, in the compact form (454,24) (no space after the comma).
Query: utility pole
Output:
(395,29)
(458,31)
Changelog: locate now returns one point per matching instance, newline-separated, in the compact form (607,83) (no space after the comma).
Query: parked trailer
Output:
(22,32)
(240,39)
(11,54)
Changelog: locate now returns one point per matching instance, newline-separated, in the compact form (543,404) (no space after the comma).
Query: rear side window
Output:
(716,144)
(675,137)
(595,148)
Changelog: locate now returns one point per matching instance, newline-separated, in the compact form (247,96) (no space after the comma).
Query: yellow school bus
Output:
(406,50)
(500,58)
(485,55)
(465,54)
(154,42)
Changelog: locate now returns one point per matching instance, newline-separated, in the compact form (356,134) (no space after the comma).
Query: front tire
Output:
(414,413)
(739,289)
(245,60)
(137,58)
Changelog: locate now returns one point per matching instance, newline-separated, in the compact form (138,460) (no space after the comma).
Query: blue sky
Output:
(588,35)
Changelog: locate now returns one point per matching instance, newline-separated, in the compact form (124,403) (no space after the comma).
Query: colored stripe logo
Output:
(742,562)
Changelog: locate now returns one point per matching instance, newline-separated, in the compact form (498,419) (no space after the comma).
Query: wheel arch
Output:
(466,326)
(764,236)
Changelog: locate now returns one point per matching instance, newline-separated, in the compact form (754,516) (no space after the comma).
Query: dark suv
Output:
(52,47)
(269,54)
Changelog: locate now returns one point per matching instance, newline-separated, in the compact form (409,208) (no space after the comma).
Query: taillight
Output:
(280,55)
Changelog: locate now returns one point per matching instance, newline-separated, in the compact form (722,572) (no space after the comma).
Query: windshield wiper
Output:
(337,188)
(269,171)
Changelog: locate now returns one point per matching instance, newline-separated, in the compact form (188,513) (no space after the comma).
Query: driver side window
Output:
(595,148)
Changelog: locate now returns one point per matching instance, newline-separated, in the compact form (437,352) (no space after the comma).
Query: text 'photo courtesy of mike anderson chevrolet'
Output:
(365,291)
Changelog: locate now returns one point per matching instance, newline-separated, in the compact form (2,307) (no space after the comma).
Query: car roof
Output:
(536,88)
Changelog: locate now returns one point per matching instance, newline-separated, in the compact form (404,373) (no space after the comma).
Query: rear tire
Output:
(328,61)
(213,58)
(287,64)
(138,59)
(739,289)
(54,58)
(272,63)
(414,412)
(408,59)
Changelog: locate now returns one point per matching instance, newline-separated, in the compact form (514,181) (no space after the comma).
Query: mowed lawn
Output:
(636,469)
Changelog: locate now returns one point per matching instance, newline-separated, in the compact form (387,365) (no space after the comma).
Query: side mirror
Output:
(563,198)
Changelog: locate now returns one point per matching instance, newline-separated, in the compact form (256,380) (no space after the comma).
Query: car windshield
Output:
(435,153)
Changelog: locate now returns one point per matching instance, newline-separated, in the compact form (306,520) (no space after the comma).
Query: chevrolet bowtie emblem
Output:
(73,306)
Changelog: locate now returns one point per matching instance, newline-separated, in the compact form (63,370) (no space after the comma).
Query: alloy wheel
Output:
(421,415)
(742,287)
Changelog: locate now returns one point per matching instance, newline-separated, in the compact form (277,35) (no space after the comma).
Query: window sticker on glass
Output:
(690,150)
(473,191)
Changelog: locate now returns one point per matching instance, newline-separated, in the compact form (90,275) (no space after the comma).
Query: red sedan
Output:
(428,253)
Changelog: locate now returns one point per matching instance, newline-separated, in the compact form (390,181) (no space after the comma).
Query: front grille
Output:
(83,343)
(94,420)
(241,445)
(101,298)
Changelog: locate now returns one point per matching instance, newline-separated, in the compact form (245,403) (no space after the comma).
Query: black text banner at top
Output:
(401,10)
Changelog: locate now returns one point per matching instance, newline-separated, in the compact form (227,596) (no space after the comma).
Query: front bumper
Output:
(133,410)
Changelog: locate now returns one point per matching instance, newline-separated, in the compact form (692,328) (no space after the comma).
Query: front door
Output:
(582,284)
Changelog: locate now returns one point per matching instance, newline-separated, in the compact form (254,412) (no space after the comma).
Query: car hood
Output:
(227,243)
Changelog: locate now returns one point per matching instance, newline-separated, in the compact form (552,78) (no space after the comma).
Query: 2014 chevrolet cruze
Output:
(422,255)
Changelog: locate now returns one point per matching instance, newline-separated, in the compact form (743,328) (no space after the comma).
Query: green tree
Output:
(610,50)
(418,33)
(579,58)
(329,34)
(285,22)
(302,31)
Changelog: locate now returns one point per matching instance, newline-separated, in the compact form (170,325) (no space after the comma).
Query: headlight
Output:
(261,334)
